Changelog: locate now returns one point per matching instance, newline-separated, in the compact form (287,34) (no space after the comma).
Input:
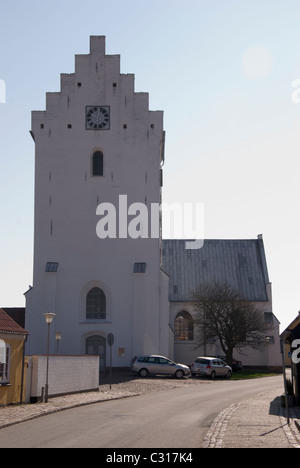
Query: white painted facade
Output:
(187,351)
(142,288)
(240,263)
(67,193)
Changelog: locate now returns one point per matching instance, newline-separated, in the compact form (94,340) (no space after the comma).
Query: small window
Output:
(270,340)
(4,362)
(98,163)
(51,267)
(139,268)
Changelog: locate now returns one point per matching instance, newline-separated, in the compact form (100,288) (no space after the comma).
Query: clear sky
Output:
(222,72)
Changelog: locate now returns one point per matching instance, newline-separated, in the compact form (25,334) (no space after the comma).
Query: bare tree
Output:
(223,315)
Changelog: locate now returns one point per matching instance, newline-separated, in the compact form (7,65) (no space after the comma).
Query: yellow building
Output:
(12,362)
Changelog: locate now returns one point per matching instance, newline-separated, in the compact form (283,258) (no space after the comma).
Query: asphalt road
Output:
(177,418)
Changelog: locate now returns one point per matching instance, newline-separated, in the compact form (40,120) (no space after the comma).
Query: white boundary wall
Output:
(67,374)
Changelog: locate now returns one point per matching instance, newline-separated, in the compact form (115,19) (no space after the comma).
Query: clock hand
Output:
(98,118)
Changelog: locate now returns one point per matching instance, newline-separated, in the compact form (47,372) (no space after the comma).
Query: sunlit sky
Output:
(222,72)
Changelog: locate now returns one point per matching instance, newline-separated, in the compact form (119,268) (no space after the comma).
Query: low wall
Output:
(67,374)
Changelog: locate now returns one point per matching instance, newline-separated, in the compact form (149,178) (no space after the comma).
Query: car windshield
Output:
(202,361)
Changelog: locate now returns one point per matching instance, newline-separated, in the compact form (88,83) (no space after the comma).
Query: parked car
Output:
(145,365)
(211,367)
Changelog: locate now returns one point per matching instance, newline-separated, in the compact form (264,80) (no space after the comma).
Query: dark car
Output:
(236,365)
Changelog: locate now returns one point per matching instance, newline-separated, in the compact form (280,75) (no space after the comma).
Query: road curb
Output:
(214,437)
(291,430)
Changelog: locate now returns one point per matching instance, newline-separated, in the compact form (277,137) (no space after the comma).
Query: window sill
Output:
(183,341)
(5,384)
(95,321)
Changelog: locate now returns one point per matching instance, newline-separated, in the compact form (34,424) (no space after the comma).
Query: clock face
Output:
(97,117)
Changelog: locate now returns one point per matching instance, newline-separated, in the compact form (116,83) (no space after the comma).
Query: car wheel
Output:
(213,375)
(229,375)
(179,374)
(143,373)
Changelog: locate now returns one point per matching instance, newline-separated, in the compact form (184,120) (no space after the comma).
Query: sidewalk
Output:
(258,422)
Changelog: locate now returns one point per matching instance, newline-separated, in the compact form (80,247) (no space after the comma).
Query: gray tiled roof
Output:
(241,263)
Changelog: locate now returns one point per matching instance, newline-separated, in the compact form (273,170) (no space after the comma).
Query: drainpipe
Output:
(23,370)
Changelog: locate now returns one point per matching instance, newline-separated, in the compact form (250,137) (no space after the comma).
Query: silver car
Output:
(145,365)
(211,367)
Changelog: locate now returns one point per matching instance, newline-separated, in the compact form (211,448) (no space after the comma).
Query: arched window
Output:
(96,304)
(4,362)
(184,327)
(97,168)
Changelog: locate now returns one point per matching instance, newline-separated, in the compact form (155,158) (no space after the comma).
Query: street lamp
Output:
(268,341)
(57,339)
(48,317)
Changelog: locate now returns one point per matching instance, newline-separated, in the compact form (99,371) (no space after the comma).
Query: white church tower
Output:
(99,150)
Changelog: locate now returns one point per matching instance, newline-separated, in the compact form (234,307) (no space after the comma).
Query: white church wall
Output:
(66,199)
(187,351)
(166,347)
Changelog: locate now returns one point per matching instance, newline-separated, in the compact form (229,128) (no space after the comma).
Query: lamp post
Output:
(48,317)
(57,339)
(268,341)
